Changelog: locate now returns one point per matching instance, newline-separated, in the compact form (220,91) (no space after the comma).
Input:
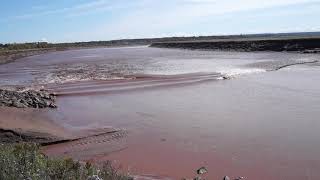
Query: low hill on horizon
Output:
(148,41)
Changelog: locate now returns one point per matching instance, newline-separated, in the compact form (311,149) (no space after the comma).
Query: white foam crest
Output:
(232,72)
(54,79)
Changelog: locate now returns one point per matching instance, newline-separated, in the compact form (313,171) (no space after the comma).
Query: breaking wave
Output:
(233,72)
(86,72)
(138,63)
(276,65)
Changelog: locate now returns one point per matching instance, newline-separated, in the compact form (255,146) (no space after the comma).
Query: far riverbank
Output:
(303,45)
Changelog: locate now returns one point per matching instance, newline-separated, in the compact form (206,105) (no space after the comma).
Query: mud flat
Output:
(16,123)
(23,125)
(20,122)
(307,45)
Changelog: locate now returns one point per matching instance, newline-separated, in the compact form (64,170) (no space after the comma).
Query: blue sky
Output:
(86,20)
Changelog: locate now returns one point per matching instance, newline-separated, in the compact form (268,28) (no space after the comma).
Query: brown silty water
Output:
(170,112)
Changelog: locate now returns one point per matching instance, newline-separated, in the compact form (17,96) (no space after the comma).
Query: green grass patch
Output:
(25,161)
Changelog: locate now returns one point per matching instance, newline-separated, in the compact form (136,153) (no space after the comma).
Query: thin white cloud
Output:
(185,8)
(154,18)
(85,8)
(39,7)
(211,7)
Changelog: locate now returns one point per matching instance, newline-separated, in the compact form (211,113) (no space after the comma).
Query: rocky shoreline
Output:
(27,98)
(304,45)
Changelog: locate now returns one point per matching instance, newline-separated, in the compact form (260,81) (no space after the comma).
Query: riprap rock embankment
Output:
(301,45)
(27,99)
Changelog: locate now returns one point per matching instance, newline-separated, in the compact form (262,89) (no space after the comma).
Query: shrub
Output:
(25,161)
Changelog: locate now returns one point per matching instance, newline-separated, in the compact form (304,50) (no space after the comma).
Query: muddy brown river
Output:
(254,115)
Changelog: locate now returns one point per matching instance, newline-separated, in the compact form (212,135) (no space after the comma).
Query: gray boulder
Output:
(226,178)
(202,170)
(94,177)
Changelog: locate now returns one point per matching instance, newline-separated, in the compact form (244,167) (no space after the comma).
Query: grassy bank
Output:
(25,161)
